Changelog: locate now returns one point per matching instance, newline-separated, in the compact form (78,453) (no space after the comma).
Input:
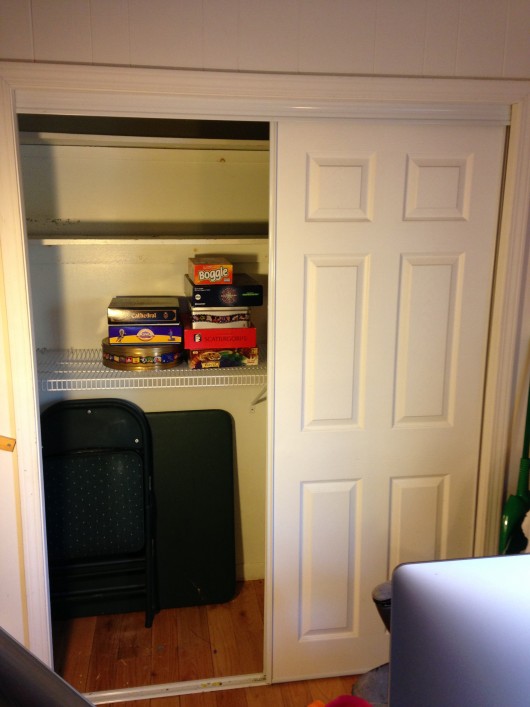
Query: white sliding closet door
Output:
(385,257)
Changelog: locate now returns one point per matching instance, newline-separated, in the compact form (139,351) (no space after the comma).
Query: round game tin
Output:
(131,357)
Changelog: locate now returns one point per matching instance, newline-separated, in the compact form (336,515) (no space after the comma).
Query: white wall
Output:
(471,38)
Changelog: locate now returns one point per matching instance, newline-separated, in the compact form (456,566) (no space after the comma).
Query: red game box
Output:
(225,338)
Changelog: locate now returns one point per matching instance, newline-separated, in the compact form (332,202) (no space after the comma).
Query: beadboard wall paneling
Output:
(61,31)
(460,38)
(221,22)
(517,56)
(166,33)
(441,38)
(16,38)
(332,42)
(400,37)
(109,24)
(480,43)
(268,35)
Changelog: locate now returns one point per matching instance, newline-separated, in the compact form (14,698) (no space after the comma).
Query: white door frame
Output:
(85,90)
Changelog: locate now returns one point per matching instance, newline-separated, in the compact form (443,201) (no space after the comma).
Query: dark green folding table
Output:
(193,461)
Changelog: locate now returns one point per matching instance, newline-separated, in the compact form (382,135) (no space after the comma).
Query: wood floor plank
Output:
(101,675)
(231,698)
(348,683)
(224,641)
(194,650)
(134,657)
(247,620)
(265,696)
(73,645)
(201,699)
(258,586)
(165,641)
(327,689)
(296,694)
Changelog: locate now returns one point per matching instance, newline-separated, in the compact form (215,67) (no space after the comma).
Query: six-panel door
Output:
(384,265)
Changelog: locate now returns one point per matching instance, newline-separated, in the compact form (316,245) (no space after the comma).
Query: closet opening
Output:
(118,206)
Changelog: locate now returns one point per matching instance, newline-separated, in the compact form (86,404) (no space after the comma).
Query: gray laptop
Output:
(460,633)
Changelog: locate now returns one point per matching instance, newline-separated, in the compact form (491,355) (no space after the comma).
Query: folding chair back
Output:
(97,461)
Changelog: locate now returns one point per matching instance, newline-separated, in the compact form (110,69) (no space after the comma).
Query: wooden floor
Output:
(117,651)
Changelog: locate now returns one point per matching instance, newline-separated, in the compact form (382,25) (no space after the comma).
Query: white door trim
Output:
(87,90)
(511,270)
(24,401)
(45,88)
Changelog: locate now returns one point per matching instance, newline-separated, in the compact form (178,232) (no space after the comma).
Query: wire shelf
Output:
(82,369)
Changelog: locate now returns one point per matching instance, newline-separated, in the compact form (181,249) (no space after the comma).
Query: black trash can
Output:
(382,596)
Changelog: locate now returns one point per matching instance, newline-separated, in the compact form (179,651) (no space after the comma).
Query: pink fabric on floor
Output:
(342,701)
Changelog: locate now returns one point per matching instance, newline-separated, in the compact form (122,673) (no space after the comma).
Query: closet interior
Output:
(117,206)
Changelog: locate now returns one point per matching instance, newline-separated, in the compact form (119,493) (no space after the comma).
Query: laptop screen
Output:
(460,633)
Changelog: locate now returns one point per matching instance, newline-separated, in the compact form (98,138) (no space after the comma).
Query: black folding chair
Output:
(97,462)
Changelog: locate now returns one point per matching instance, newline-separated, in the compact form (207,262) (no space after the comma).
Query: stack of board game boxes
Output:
(218,329)
(144,333)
